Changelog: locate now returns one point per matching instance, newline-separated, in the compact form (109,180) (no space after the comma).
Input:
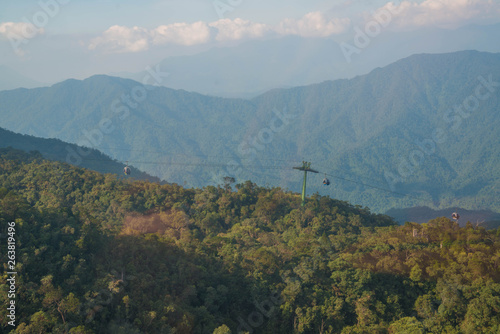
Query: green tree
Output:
(407,325)
(222,330)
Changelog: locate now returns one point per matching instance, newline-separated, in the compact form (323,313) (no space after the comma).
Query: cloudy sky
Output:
(51,40)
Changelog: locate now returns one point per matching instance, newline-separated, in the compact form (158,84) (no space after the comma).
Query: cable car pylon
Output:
(306,167)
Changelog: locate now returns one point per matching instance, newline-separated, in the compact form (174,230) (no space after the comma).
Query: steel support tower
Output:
(306,167)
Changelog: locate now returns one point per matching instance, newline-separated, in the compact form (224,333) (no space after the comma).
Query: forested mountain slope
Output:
(423,126)
(99,255)
(58,150)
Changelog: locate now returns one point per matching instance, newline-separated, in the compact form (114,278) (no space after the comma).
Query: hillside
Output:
(394,129)
(57,150)
(95,254)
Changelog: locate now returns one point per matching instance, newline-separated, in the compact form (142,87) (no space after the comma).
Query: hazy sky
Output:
(50,40)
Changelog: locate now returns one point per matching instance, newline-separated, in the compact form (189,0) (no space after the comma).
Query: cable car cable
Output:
(255,167)
(374,187)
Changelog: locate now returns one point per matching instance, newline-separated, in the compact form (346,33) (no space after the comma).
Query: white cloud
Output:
(313,24)
(119,39)
(19,33)
(403,14)
(237,29)
(19,30)
(181,33)
(444,13)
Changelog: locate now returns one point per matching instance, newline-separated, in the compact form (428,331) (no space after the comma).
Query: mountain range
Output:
(397,137)
(251,68)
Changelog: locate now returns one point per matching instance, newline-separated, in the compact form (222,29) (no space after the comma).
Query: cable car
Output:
(455,216)
(126,170)
(326,182)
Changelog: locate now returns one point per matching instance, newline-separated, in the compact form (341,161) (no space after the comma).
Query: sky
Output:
(51,40)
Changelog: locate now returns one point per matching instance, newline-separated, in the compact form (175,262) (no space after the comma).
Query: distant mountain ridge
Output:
(57,150)
(296,61)
(264,65)
(10,79)
(484,218)
(394,129)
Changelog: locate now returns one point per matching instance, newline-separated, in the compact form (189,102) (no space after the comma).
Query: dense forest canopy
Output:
(96,254)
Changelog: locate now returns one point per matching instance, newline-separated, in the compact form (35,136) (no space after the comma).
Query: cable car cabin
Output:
(126,170)
(455,216)
(326,182)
